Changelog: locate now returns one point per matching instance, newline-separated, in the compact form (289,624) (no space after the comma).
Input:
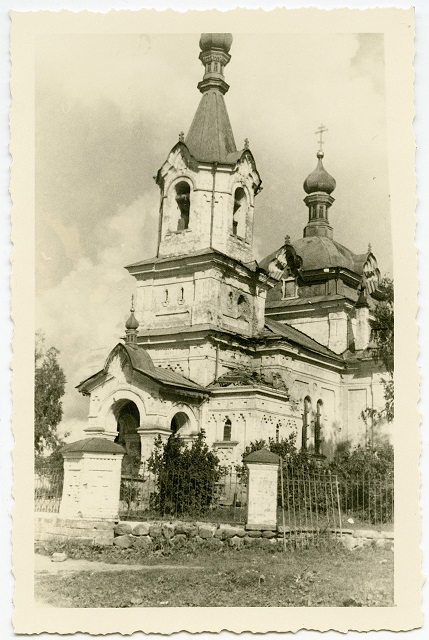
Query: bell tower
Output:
(204,277)
(207,186)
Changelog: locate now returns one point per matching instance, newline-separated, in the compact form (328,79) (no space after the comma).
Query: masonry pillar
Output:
(92,478)
(262,484)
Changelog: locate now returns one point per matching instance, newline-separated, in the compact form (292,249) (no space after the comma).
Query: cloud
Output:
(85,312)
(109,109)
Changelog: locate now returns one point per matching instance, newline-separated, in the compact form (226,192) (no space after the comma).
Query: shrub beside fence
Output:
(174,493)
(48,487)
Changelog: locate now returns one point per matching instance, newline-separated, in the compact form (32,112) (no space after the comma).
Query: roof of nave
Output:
(318,252)
(141,362)
(297,337)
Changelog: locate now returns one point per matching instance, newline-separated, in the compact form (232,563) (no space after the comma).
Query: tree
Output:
(383,332)
(49,382)
(186,476)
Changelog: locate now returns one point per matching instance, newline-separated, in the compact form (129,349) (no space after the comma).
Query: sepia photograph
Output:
(213,332)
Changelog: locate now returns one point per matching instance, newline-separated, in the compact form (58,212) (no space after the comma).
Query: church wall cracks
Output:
(212,208)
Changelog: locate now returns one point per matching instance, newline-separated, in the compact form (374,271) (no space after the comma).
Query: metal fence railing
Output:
(367,498)
(176,493)
(48,487)
(308,504)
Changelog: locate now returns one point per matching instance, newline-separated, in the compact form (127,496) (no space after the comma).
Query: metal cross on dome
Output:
(320,131)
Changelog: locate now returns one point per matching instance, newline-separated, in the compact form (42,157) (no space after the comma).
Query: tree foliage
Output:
(186,476)
(383,332)
(49,383)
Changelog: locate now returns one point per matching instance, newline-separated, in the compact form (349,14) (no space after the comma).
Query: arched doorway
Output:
(178,421)
(128,421)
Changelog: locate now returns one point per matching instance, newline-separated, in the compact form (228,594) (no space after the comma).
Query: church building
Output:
(219,342)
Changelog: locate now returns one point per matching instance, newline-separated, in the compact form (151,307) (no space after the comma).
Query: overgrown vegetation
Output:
(383,327)
(49,383)
(365,476)
(186,476)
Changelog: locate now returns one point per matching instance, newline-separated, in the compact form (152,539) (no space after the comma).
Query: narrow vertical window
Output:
(181,295)
(239,213)
(318,428)
(306,417)
(227,428)
(183,200)
(277,432)
(165,301)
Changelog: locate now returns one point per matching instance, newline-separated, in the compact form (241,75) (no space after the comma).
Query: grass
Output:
(332,577)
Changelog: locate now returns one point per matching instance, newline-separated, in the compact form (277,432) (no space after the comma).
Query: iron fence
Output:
(48,487)
(176,493)
(367,498)
(308,504)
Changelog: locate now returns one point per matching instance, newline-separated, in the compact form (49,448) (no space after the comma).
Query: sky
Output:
(108,110)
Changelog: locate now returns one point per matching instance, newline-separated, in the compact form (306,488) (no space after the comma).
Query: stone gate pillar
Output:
(92,479)
(263,469)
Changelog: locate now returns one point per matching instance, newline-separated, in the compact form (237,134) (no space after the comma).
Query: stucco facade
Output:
(216,341)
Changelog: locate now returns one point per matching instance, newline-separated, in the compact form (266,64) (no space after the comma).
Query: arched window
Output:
(178,421)
(306,421)
(239,214)
(183,200)
(227,429)
(165,298)
(318,428)
(181,295)
(243,307)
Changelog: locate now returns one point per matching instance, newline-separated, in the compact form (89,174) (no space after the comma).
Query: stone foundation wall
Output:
(49,526)
(146,534)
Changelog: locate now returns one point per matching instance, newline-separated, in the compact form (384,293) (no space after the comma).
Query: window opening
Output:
(306,422)
(318,428)
(183,200)
(239,213)
(227,429)
(288,288)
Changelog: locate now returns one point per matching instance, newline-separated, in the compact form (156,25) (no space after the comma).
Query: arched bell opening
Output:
(128,421)
(183,201)
(239,213)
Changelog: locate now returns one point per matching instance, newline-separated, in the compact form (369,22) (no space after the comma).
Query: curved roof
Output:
(216,41)
(319,179)
(93,445)
(321,252)
(262,456)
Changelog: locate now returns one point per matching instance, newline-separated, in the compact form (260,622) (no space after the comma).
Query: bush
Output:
(186,477)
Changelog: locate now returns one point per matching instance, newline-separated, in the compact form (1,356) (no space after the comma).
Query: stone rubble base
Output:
(213,536)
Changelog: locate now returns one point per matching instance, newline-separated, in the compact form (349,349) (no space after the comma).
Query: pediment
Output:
(246,168)
(179,160)
(118,365)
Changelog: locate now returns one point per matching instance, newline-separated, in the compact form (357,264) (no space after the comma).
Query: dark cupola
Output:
(319,185)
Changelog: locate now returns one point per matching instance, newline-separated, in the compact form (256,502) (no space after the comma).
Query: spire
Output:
(319,186)
(131,326)
(210,137)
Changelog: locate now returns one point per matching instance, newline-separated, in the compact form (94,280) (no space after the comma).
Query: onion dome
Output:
(131,326)
(132,322)
(319,180)
(216,41)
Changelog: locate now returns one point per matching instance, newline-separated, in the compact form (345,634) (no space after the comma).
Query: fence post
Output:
(262,483)
(92,478)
